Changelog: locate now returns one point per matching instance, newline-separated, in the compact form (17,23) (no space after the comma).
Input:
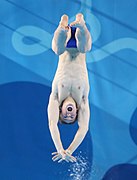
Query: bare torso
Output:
(71,78)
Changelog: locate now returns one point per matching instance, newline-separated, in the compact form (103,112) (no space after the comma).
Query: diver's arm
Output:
(53,116)
(83,122)
(56,137)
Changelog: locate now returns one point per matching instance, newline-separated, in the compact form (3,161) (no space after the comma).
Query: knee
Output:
(57,48)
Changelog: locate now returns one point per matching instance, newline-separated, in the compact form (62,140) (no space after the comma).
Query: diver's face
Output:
(69,110)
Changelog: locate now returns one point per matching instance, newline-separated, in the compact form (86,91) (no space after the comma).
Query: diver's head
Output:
(68,111)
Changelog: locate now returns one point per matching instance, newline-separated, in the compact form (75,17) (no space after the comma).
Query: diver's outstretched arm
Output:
(61,36)
(83,122)
(83,37)
(53,116)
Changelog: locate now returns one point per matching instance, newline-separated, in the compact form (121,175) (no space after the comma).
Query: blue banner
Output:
(27,68)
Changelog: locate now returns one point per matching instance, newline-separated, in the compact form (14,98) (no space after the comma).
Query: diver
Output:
(68,101)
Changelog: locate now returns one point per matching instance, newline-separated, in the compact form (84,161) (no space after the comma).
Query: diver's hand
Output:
(64,22)
(69,156)
(63,155)
(58,156)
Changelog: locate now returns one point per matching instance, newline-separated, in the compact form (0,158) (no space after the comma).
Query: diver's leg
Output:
(61,36)
(83,37)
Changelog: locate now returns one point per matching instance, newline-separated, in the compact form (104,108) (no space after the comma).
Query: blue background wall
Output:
(27,68)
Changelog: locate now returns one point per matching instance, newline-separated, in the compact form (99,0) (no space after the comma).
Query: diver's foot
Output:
(79,22)
(79,17)
(64,22)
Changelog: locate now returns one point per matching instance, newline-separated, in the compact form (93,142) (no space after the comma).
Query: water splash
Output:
(80,169)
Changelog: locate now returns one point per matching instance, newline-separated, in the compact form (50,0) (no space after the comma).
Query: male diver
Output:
(68,101)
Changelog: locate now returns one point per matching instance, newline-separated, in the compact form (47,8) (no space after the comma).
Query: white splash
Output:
(79,170)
